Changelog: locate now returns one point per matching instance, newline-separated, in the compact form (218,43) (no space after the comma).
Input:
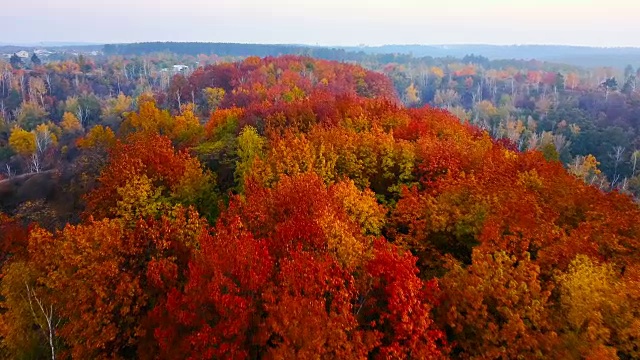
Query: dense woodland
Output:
(289,207)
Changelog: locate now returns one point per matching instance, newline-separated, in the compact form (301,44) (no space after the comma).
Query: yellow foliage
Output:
(46,135)
(585,167)
(98,137)
(411,95)
(148,118)
(509,155)
(596,309)
(348,249)
(587,293)
(139,198)
(186,126)
(438,72)
(214,97)
(250,147)
(16,320)
(22,142)
(361,206)
(120,104)
(70,123)
(530,179)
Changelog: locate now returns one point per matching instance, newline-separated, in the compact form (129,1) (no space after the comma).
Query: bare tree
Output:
(47,79)
(560,142)
(44,139)
(47,326)
(37,90)
(82,114)
(21,81)
(10,172)
(634,158)
(35,163)
(534,141)
(617,156)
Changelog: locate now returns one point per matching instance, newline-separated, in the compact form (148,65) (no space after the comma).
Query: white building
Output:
(180,68)
(22,54)
(43,53)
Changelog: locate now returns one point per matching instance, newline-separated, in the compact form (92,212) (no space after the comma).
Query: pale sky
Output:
(325,22)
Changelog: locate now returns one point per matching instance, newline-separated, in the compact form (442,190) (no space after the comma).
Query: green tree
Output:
(250,146)
(16,61)
(35,60)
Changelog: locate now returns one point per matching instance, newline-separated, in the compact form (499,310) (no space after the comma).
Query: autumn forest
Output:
(167,206)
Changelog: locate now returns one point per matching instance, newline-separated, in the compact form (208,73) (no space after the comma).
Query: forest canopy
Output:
(291,207)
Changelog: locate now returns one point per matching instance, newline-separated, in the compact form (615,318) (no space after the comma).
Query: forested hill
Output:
(292,208)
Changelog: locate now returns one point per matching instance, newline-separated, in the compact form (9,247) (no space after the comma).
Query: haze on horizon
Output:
(611,23)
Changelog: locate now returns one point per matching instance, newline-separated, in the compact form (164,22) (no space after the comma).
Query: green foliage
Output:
(250,146)
(550,153)
(31,115)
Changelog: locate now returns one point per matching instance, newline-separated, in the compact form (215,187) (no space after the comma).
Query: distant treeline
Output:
(231,49)
(363,57)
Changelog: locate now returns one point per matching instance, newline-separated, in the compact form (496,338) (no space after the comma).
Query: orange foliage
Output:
(358,229)
(149,158)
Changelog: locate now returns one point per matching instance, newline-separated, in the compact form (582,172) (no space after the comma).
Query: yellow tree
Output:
(214,97)
(98,136)
(70,123)
(186,128)
(250,147)
(585,168)
(22,142)
(411,95)
(599,309)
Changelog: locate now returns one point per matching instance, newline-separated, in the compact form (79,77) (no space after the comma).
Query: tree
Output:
(214,315)
(411,95)
(585,168)
(115,109)
(629,72)
(498,308)
(151,162)
(573,80)
(29,322)
(598,308)
(250,147)
(37,90)
(31,114)
(610,84)
(45,138)
(35,60)
(16,61)
(283,277)
(98,137)
(22,142)
(70,123)
(116,272)
(446,98)
(214,97)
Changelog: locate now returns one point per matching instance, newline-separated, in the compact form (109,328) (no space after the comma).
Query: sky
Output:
(606,23)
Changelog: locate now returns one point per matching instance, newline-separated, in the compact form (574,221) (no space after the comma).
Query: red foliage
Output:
(149,155)
(13,239)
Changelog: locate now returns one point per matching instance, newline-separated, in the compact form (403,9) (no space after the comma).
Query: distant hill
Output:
(229,49)
(573,55)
